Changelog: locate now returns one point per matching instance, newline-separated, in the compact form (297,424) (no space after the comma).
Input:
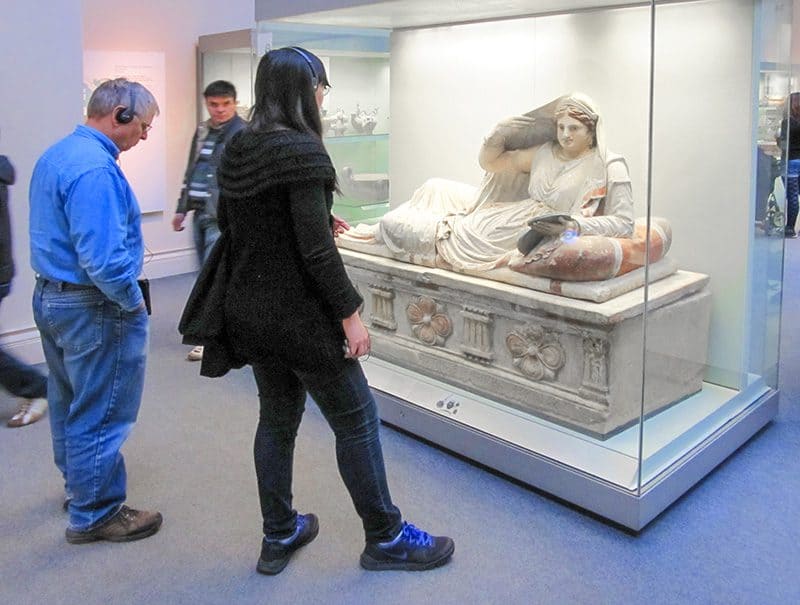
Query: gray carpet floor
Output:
(734,538)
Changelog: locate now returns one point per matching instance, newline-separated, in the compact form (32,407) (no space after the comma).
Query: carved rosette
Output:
(382,313)
(536,352)
(429,322)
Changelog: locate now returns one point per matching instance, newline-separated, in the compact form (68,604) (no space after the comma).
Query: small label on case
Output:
(448,405)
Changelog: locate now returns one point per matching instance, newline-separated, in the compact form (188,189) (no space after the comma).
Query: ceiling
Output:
(396,14)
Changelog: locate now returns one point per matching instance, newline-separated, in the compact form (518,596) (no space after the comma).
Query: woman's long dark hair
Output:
(793,103)
(284,95)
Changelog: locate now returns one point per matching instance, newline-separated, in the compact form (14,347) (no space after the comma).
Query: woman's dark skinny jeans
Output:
(347,404)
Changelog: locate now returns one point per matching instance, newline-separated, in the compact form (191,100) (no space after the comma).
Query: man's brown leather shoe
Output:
(126,526)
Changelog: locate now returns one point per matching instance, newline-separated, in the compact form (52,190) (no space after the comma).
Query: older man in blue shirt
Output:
(87,251)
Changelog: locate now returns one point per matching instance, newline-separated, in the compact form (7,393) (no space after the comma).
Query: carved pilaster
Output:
(382,308)
(595,367)
(476,341)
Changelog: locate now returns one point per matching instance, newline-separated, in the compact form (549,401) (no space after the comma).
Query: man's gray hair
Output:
(121,92)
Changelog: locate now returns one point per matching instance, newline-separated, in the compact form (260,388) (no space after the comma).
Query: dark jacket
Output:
(286,289)
(230,128)
(789,139)
(6,259)
(203,319)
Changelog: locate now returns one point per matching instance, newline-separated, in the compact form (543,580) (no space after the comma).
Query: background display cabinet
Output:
(230,56)
(611,367)
(355,112)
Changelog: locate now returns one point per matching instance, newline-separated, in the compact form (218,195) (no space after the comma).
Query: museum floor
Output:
(734,538)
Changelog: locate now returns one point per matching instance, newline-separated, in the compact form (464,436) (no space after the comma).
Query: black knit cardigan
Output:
(285,286)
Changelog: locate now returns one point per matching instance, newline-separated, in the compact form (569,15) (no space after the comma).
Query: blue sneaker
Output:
(275,554)
(412,550)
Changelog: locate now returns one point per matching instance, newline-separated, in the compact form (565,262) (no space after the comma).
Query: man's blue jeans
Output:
(348,406)
(205,232)
(96,353)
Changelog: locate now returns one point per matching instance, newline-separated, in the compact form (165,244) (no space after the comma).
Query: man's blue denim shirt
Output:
(85,222)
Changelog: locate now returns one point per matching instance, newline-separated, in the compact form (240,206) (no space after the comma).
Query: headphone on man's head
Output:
(314,76)
(125,115)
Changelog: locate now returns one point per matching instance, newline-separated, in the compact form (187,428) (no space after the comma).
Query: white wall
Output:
(450,85)
(41,62)
(40,96)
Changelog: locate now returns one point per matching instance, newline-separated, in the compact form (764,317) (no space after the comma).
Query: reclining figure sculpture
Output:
(554,203)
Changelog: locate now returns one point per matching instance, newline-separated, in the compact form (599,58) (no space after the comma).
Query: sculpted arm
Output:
(512,143)
(616,219)
(496,154)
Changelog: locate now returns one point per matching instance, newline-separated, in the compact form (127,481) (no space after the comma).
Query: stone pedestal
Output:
(573,362)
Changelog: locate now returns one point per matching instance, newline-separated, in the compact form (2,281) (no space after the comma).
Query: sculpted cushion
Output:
(595,257)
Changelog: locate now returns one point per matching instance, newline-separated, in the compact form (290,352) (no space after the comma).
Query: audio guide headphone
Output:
(125,115)
(307,59)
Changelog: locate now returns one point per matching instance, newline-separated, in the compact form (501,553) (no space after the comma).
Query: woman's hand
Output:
(554,226)
(357,343)
(339,225)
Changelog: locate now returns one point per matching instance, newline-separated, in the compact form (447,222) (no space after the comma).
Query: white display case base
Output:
(679,446)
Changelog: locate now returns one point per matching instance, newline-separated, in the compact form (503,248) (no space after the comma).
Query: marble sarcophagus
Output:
(578,363)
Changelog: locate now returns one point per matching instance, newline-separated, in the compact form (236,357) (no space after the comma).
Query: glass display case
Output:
(611,368)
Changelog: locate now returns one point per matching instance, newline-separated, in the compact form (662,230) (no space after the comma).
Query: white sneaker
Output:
(195,354)
(30,410)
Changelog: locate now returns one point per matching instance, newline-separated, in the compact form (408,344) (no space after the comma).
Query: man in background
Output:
(19,379)
(87,251)
(200,191)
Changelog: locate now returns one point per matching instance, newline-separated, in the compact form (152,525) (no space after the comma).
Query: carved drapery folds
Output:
(477,338)
(382,314)
(429,321)
(536,352)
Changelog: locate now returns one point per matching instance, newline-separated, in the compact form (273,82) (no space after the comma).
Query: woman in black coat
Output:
(292,314)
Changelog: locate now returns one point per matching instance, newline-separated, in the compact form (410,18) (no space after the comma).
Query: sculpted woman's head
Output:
(576,124)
